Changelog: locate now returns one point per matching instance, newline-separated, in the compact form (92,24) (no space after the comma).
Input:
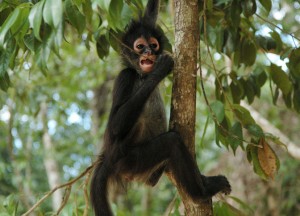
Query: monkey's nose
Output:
(147,52)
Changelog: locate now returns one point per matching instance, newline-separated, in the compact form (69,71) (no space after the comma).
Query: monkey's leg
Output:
(168,147)
(152,181)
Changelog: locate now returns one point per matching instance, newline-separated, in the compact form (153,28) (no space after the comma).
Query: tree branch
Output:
(68,184)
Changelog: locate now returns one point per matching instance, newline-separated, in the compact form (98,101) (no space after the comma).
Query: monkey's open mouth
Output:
(147,62)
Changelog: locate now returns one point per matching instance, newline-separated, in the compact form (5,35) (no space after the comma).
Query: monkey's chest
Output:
(152,122)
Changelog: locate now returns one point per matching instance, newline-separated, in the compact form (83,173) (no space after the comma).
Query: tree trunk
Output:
(183,107)
(50,163)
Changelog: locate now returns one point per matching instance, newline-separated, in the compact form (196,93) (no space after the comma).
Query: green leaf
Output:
(235,14)
(278,41)
(237,91)
(21,25)
(13,17)
(115,12)
(5,58)
(243,205)
(249,89)
(288,99)
(219,39)
(286,53)
(87,10)
(102,46)
(296,100)
(22,20)
(5,11)
(281,79)
(237,57)
(104,4)
(29,42)
(249,7)
(75,17)
(35,18)
(53,12)
(276,95)
(260,77)
(248,52)
(232,40)
(11,205)
(221,138)
(236,136)
(248,152)
(114,39)
(78,2)
(276,140)
(42,56)
(5,82)
(267,4)
(115,7)
(225,209)
(255,130)
(218,110)
(222,132)
(267,43)
(294,63)
(243,115)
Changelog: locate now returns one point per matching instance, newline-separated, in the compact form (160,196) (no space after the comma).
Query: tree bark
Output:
(183,107)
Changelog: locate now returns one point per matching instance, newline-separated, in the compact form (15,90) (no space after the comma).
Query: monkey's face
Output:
(141,45)
(147,50)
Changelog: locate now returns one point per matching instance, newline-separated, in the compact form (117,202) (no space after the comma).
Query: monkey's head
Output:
(143,41)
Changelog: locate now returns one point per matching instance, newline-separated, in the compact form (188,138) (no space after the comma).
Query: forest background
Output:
(58,60)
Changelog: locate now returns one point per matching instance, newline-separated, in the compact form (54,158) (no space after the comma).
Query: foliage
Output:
(290,188)
(235,30)
(246,51)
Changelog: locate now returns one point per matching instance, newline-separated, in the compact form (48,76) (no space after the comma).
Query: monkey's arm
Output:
(128,105)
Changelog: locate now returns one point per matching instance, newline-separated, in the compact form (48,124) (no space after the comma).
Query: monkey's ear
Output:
(151,12)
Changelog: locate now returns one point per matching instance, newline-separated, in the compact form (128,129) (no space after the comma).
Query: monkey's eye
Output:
(153,43)
(153,46)
(140,46)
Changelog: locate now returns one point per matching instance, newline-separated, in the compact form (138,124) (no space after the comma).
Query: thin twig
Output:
(276,26)
(59,187)
(65,199)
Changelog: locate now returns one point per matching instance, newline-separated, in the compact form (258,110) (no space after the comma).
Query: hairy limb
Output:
(154,178)
(168,147)
(124,114)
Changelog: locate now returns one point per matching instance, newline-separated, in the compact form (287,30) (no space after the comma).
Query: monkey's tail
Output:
(99,190)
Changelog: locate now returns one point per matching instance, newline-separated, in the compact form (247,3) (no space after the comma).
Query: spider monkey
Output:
(137,143)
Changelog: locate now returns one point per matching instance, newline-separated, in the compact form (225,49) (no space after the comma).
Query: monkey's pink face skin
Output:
(146,51)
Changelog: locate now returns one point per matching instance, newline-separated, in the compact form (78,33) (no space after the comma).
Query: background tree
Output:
(249,56)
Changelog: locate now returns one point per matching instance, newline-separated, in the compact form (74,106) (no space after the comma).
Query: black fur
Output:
(137,145)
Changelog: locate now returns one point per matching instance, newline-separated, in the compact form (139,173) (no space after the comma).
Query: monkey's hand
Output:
(163,66)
